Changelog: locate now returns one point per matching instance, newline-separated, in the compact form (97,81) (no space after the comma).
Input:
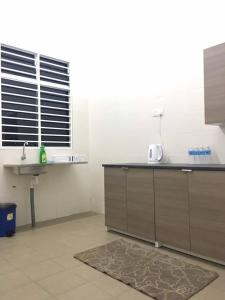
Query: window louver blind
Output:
(19,113)
(55,117)
(18,62)
(55,71)
(35,99)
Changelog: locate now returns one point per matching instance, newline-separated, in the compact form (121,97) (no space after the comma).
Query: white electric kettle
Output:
(155,153)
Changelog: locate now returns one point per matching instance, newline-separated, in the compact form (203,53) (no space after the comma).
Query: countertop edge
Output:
(204,167)
(48,164)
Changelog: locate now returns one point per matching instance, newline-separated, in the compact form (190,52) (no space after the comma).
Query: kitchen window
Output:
(35,99)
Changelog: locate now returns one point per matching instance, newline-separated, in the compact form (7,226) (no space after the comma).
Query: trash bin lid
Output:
(7,205)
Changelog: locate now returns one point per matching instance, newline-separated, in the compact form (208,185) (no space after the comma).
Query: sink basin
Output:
(29,170)
(35,168)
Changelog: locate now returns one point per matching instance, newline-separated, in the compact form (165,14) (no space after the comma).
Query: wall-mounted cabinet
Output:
(214,84)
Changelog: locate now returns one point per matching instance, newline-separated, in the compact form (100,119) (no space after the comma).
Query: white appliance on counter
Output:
(155,153)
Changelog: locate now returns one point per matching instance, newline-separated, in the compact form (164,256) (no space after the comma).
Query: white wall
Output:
(47,27)
(127,57)
(154,52)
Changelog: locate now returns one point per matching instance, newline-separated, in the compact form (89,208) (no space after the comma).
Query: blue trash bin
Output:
(7,219)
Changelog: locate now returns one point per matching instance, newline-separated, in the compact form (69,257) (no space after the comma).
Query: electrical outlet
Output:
(157,112)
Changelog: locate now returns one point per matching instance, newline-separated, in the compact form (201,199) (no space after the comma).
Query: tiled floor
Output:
(39,265)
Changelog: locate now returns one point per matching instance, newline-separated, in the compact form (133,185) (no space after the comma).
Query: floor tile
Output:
(25,259)
(6,267)
(39,264)
(51,249)
(10,252)
(111,286)
(12,280)
(87,273)
(42,270)
(209,293)
(28,292)
(86,292)
(133,294)
(219,283)
(79,243)
(67,261)
(61,282)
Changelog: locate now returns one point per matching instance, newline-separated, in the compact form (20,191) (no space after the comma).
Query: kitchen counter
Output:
(169,205)
(204,167)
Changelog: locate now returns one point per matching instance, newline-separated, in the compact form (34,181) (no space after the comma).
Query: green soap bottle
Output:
(42,155)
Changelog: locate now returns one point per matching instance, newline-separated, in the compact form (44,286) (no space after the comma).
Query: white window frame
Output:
(39,83)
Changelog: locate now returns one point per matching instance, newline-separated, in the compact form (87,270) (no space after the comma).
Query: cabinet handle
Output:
(186,170)
(124,168)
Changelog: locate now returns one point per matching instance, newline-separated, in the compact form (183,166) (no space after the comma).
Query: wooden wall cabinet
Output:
(172,208)
(214,84)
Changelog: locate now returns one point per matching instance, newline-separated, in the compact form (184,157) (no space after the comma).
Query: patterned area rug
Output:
(147,270)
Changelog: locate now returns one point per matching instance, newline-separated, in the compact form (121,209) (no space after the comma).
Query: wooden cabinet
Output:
(185,210)
(172,208)
(115,198)
(129,201)
(207,213)
(214,84)
(140,203)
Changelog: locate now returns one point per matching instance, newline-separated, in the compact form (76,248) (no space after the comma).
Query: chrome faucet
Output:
(23,157)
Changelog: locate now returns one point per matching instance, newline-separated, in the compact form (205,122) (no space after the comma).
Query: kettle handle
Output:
(160,156)
(149,153)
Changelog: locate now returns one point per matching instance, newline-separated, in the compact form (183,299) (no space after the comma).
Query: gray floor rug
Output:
(160,276)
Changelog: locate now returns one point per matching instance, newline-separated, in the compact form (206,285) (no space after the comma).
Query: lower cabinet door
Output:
(207,213)
(172,208)
(140,203)
(115,198)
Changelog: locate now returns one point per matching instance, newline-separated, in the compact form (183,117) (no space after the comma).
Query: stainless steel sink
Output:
(29,169)
(35,168)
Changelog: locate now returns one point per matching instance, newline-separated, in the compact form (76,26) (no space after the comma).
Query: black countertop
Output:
(206,167)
